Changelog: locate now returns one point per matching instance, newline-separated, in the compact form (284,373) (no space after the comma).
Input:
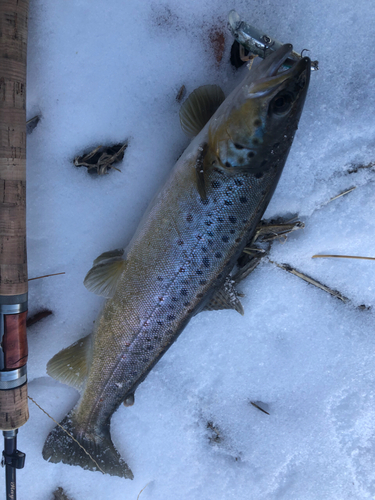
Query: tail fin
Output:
(91,451)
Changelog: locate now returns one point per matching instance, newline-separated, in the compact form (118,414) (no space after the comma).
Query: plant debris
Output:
(312,281)
(31,124)
(59,494)
(343,257)
(181,93)
(37,317)
(266,233)
(355,168)
(101,159)
(257,405)
(215,437)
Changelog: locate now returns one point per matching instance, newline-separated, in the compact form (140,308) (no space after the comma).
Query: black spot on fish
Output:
(250,154)
(257,122)
(160,278)
(208,222)
(183,291)
(215,184)
(189,217)
(182,270)
(220,219)
(171,317)
(171,306)
(180,242)
(228,202)
(204,249)
(149,347)
(232,219)
(199,295)
(199,271)
(174,299)
(243,199)
(218,255)
(259,175)
(199,237)
(238,146)
(225,239)
(204,202)
(186,304)
(238,182)
(160,323)
(255,141)
(237,240)
(206,261)
(232,231)
(210,243)
(210,234)
(228,165)
(203,282)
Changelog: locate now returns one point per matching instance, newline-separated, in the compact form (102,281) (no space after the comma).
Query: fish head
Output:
(254,128)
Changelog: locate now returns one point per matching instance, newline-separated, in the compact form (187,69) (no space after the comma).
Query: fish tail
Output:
(90,450)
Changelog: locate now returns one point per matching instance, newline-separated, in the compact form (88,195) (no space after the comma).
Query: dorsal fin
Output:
(199,107)
(225,298)
(103,276)
(70,365)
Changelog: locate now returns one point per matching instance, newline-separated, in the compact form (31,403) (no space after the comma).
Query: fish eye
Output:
(281,103)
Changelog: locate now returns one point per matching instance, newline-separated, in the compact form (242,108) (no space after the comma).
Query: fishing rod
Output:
(13,262)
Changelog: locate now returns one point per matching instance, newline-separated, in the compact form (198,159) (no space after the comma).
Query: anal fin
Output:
(225,298)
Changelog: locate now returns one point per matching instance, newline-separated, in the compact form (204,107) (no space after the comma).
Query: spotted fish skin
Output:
(183,250)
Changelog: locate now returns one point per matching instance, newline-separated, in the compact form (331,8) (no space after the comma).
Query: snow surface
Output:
(100,72)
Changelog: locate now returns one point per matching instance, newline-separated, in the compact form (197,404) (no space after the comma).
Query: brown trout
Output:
(181,256)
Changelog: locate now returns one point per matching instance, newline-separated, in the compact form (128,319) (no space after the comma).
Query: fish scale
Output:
(181,255)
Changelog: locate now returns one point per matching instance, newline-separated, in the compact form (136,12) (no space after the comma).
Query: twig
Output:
(342,194)
(46,276)
(343,257)
(259,408)
(142,490)
(310,280)
(37,317)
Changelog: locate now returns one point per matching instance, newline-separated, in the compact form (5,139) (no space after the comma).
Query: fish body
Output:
(180,257)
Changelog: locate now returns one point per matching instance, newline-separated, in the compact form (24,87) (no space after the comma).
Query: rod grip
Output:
(15,341)
(14,410)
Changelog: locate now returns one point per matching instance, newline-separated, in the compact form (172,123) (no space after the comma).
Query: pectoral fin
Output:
(199,107)
(225,298)
(103,276)
(70,365)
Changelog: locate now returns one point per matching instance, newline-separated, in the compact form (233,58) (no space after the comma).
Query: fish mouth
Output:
(267,77)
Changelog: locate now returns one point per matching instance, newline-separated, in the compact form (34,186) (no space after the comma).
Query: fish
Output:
(180,259)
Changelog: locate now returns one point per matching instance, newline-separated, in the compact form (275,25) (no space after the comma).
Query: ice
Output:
(102,72)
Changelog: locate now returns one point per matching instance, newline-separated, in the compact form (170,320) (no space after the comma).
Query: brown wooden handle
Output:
(15,341)
(13,45)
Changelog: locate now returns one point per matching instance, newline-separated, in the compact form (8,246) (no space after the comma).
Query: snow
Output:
(102,72)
